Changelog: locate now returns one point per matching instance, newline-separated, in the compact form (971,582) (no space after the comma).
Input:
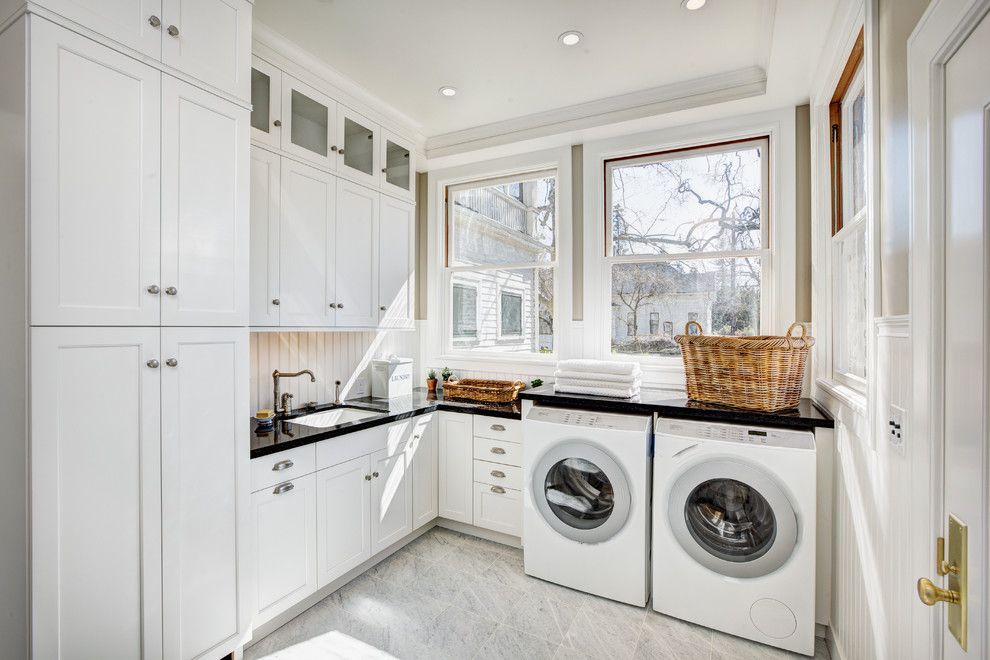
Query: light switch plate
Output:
(359,388)
(896,429)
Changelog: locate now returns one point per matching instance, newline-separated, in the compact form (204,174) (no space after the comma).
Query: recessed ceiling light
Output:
(447,90)
(693,5)
(570,38)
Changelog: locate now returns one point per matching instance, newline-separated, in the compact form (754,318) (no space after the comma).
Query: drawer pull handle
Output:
(498,450)
(498,490)
(284,488)
(498,474)
(498,427)
(282,465)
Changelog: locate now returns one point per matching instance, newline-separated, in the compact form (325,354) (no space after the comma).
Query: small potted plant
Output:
(536,382)
(431,381)
(446,373)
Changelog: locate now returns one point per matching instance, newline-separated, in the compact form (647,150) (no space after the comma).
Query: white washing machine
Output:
(586,501)
(734,530)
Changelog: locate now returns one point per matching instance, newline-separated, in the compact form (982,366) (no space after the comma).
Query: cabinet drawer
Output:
(494,474)
(498,451)
(498,428)
(283,466)
(498,509)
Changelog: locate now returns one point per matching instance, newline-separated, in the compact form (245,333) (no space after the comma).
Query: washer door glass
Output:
(581,492)
(730,519)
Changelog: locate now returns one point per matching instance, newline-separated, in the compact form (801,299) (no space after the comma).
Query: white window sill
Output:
(843,394)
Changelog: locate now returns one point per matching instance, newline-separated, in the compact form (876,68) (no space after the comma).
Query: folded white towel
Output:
(614,392)
(600,366)
(601,377)
(598,382)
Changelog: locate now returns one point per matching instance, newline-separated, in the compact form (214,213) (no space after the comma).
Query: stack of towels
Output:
(621,380)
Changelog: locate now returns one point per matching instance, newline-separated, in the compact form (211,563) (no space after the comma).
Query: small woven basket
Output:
(489,391)
(756,373)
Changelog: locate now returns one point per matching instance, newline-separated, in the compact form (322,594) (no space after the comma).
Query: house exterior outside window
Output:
(464,300)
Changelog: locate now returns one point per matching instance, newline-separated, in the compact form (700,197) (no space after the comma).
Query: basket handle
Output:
(790,331)
(687,328)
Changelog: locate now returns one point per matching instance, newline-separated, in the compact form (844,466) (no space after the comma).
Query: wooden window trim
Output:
(835,128)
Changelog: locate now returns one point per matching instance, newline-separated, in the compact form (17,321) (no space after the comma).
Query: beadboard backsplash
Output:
(343,356)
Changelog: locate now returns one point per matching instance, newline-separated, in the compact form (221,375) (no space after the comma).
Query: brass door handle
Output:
(930,593)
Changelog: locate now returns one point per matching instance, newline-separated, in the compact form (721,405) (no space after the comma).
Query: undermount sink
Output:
(328,418)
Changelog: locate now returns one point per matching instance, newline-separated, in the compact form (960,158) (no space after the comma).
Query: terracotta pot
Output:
(431,384)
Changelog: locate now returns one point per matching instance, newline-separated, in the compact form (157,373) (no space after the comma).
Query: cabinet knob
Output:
(172,362)
(283,488)
(340,305)
(276,301)
(333,305)
(367,477)
(498,490)
(383,308)
(152,363)
(171,290)
(374,474)
(384,170)
(172,31)
(340,151)
(154,21)
(277,122)
(153,289)
(333,147)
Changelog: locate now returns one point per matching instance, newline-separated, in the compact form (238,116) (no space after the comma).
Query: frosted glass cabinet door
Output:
(210,40)
(95,183)
(205,208)
(358,155)
(398,167)
(96,586)
(266,103)
(309,120)
(265,189)
(133,23)
(208,591)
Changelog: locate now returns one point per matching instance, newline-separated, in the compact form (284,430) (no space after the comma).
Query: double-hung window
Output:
(501,256)
(850,218)
(687,241)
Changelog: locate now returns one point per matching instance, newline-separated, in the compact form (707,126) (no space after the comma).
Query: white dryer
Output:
(586,501)
(734,530)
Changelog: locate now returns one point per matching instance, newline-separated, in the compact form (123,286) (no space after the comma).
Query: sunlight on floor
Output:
(333,644)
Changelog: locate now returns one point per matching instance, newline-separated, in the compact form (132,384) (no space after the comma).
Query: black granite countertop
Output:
(286,435)
(806,416)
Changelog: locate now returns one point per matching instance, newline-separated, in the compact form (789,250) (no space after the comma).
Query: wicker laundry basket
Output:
(488,391)
(755,373)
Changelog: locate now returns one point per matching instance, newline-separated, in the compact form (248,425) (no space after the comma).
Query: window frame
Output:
(764,253)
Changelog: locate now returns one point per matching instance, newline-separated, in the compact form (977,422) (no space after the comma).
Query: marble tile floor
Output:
(449,595)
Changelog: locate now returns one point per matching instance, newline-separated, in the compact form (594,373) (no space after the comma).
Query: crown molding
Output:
(707,90)
(278,50)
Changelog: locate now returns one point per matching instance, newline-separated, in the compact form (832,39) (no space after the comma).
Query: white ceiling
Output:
(505,61)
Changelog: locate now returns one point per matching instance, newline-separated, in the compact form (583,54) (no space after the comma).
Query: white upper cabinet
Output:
(398,163)
(94,183)
(309,119)
(205,214)
(306,242)
(395,263)
(208,598)
(136,24)
(265,192)
(95,498)
(358,152)
(356,255)
(209,40)
(266,103)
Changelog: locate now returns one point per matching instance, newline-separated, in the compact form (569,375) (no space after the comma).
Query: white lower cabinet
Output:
(391,498)
(343,509)
(498,508)
(285,544)
(455,455)
(423,451)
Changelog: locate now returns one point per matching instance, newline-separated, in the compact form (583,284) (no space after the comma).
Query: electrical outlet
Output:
(359,388)
(896,430)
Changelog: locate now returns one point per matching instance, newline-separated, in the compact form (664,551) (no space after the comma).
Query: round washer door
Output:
(732,518)
(581,492)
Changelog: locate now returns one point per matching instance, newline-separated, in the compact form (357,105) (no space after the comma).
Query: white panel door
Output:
(398,163)
(356,255)
(285,543)
(210,40)
(423,458)
(358,156)
(391,499)
(206,548)
(306,235)
(309,122)
(396,254)
(266,103)
(205,208)
(265,193)
(95,493)
(343,509)
(94,183)
(455,454)
(498,509)
(132,23)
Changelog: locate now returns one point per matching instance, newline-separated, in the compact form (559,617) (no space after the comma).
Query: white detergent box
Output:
(391,378)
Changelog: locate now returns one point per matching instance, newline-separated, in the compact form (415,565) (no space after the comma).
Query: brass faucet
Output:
(286,404)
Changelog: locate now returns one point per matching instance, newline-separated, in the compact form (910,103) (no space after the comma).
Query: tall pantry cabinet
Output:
(124,143)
